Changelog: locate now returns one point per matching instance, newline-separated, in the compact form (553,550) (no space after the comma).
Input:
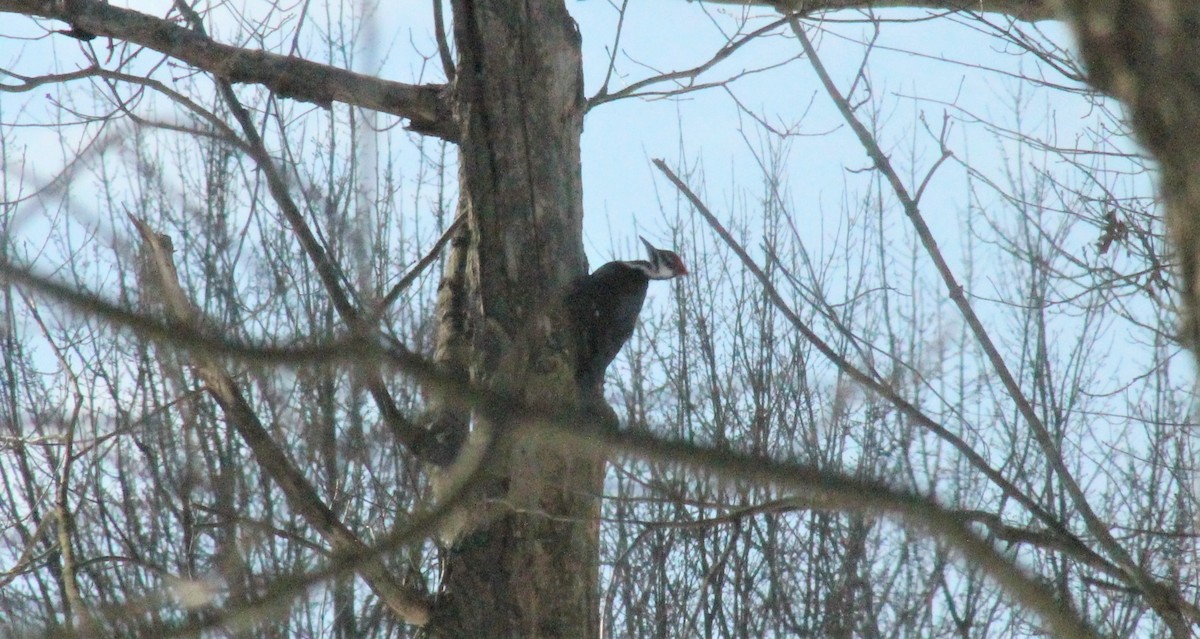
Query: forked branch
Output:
(1168,604)
(301,495)
(425,106)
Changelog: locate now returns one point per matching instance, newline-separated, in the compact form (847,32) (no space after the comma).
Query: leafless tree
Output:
(237,399)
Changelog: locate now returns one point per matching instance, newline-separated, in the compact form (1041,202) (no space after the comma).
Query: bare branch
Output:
(329,273)
(685,79)
(439,33)
(836,491)
(301,495)
(868,381)
(1168,605)
(422,264)
(288,76)
(1027,10)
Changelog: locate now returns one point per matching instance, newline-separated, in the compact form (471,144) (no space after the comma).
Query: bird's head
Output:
(664,264)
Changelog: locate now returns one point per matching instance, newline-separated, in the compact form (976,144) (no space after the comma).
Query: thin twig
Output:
(616,47)
(1166,603)
(300,493)
(1062,621)
(328,272)
(687,74)
(420,266)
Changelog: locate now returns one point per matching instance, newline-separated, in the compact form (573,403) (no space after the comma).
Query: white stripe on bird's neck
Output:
(657,270)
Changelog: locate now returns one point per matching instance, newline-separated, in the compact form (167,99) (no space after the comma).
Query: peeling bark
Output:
(524,562)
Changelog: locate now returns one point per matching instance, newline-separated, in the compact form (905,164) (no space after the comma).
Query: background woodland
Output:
(254,292)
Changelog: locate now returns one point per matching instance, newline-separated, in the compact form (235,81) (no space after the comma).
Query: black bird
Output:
(605,307)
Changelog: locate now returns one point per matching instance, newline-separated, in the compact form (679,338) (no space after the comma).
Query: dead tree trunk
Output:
(524,564)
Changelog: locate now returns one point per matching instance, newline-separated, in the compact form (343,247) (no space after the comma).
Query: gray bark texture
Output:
(523,563)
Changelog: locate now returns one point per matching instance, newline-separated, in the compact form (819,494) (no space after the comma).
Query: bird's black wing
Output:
(605,307)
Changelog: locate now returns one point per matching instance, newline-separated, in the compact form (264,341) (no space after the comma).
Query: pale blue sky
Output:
(620,138)
(622,191)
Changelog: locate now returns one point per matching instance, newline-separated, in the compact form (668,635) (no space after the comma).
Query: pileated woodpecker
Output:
(605,307)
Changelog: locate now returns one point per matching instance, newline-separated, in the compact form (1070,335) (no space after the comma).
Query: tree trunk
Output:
(1146,55)
(525,565)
